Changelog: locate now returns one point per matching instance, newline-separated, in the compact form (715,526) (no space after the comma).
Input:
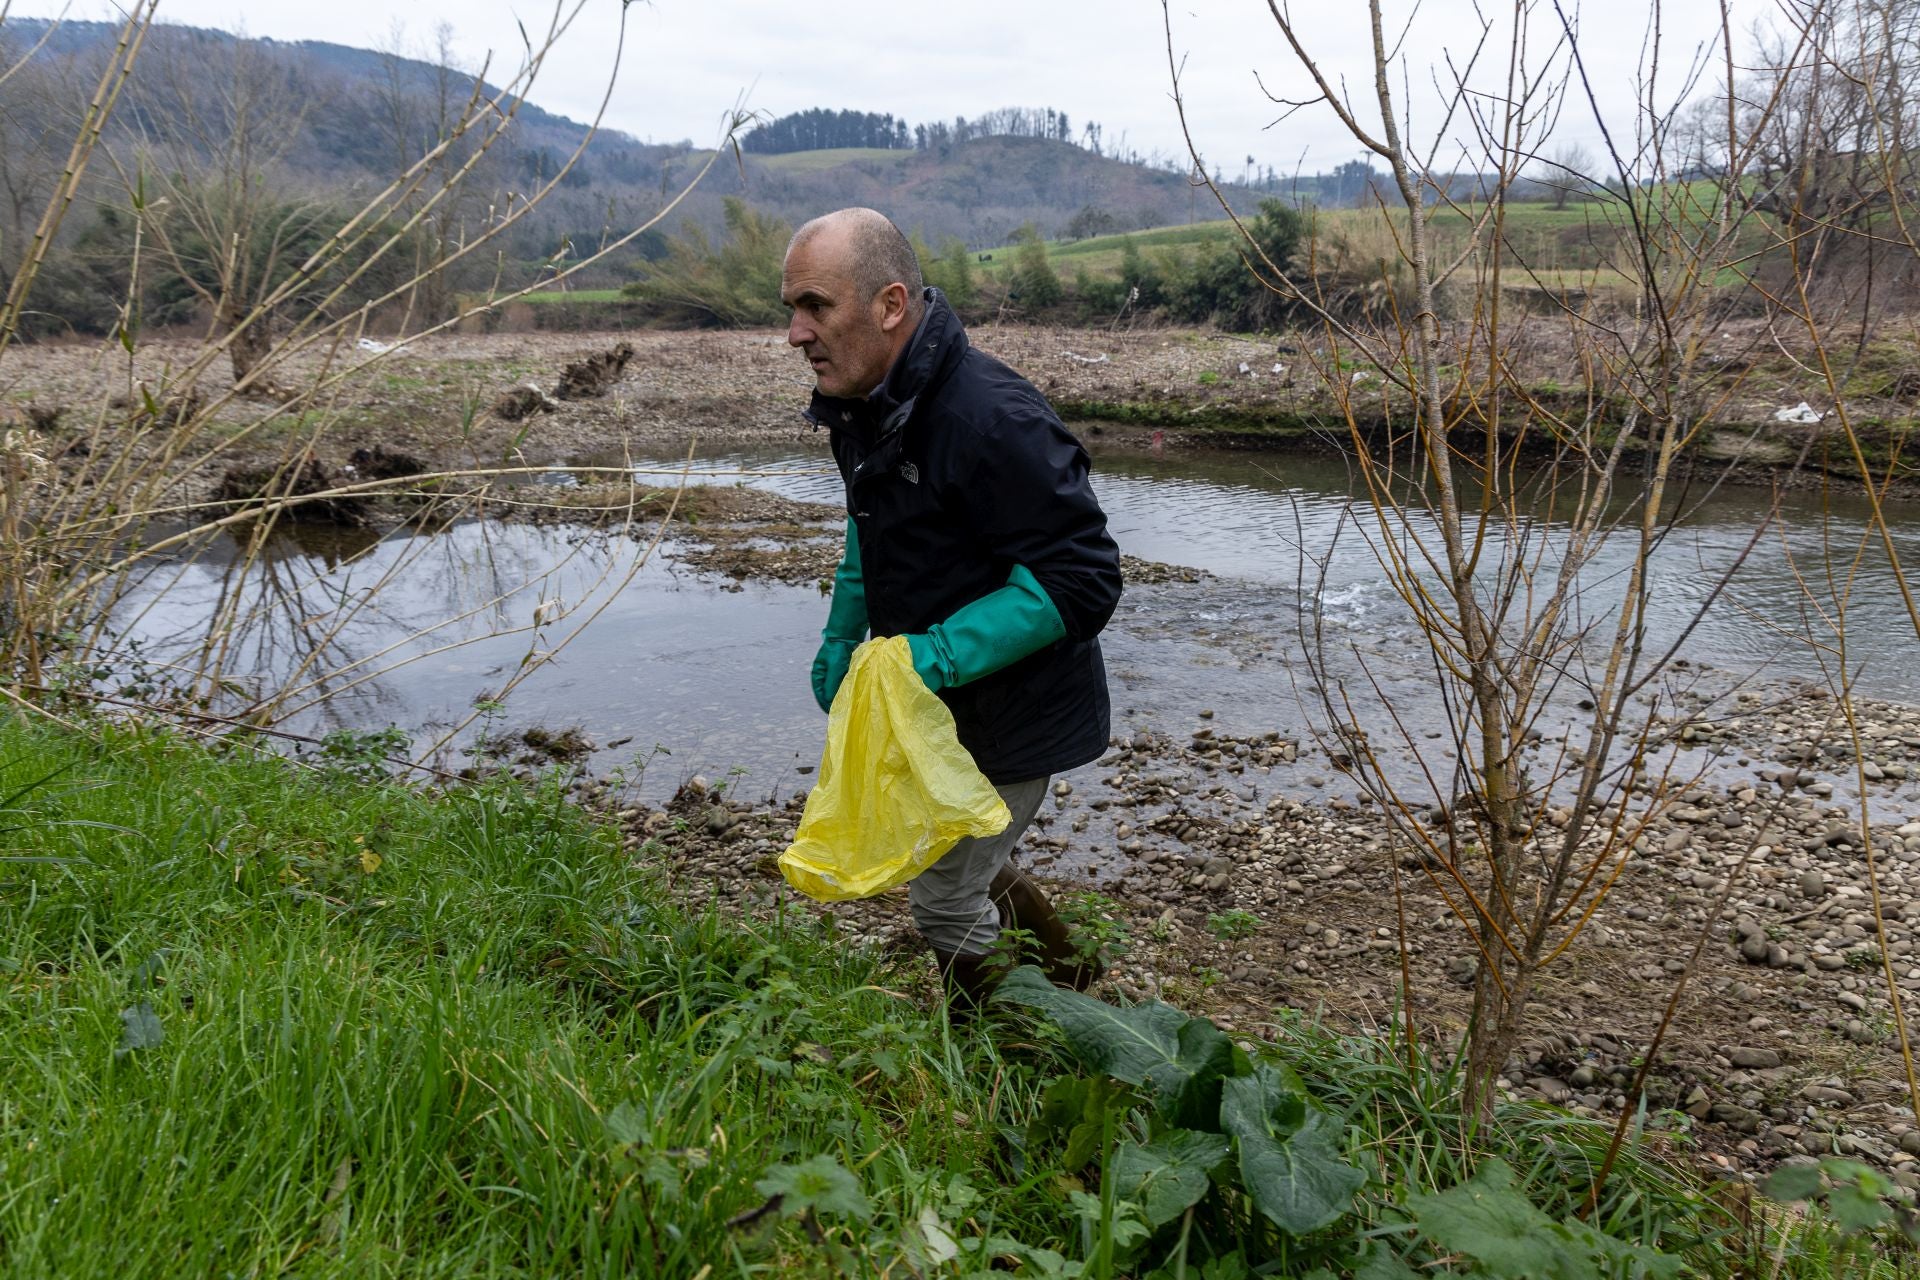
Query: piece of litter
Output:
(1245,368)
(1073,355)
(1279,369)
(1802,413)
(373,345)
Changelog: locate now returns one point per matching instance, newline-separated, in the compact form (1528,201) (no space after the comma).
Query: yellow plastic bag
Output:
(896,789)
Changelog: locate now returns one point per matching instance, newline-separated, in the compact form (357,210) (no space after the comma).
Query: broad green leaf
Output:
(1188,1088)
(1301,1182)
(1621,1257)
(1492,1222)
(1270,1103)
(1180,1059)
(817,1183)
(1125,1043)
(139,1029)
(1167,1176)
(1852,1172)
(1079,1108)
(1487,1220)
(1381,1264)
(1855,1209)
(1793,1182)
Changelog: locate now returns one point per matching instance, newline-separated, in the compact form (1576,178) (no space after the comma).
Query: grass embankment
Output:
(259,1020)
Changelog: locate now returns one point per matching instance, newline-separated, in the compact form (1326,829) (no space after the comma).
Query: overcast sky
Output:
(687,61)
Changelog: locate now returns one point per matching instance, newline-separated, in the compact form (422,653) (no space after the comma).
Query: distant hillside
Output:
(980,190)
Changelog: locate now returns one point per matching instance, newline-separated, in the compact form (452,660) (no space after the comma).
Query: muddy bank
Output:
(446,399)
(1234,885)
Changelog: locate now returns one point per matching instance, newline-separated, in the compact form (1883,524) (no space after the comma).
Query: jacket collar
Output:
(937,345)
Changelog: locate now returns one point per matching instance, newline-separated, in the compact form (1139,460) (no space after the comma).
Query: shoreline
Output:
(1188,388)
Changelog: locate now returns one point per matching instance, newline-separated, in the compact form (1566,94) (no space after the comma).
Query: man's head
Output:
(853,283)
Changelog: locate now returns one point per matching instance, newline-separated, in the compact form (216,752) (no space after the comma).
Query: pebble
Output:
(1812,884)
(1754,1059)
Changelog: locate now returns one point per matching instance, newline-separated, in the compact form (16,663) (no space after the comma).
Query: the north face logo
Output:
(909,473)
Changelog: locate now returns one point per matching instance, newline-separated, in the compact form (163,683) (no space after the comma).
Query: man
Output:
(972,531)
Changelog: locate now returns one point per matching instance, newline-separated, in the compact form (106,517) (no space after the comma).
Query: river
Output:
(715,675)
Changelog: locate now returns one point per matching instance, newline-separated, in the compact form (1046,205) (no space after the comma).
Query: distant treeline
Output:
(817,129)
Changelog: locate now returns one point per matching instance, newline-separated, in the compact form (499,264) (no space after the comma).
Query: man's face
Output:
(848,339)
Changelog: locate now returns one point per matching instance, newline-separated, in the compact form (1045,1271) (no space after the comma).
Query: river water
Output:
(715,675)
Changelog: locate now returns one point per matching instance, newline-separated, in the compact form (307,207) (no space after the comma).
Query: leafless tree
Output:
(229,218)
(1484,501)
(1568,173)
(74,542)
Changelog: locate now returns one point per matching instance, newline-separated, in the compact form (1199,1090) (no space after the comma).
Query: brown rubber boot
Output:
(969,981)
(1023,905)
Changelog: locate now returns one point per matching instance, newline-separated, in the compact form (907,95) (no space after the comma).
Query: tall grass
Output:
(463,1036)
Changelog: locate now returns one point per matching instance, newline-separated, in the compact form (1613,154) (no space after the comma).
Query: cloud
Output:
(687,62)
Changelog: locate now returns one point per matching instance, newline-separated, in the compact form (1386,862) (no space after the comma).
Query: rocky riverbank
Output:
(1222,876)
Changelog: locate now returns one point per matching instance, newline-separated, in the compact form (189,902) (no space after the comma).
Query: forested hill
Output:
(348,114)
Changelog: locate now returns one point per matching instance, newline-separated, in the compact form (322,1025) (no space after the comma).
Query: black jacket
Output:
(956,470)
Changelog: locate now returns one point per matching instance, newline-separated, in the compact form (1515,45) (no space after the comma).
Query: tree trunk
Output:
(248,346)
(1495,1027)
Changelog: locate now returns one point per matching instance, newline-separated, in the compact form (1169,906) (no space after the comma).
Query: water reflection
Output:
(1292,521)
(415,628)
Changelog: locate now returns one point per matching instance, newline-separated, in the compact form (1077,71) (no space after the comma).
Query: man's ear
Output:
(893,306)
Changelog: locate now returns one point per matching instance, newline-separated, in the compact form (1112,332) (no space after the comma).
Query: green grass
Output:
(454,1037)
(555,297)
(263,1020)
(1101,255)
(832,158)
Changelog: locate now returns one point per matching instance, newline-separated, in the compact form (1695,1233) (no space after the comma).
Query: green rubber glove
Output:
(846,624)
(995,631)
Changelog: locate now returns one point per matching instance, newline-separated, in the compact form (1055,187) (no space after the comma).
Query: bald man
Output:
(973,531)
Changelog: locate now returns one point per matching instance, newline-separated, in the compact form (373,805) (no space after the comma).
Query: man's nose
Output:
(799,332)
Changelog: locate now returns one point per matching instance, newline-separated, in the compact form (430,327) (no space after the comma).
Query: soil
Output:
(1232,885)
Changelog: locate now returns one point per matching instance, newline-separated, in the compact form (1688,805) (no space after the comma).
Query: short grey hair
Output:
(879,253)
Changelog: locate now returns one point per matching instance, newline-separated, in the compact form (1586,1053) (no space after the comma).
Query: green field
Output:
(549,297)
(1100,256)
(1574,248)
(832,158)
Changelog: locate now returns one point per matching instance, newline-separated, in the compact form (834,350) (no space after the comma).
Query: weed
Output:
(1233,925)
(363,753)
(1207,378)
(1100,931)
